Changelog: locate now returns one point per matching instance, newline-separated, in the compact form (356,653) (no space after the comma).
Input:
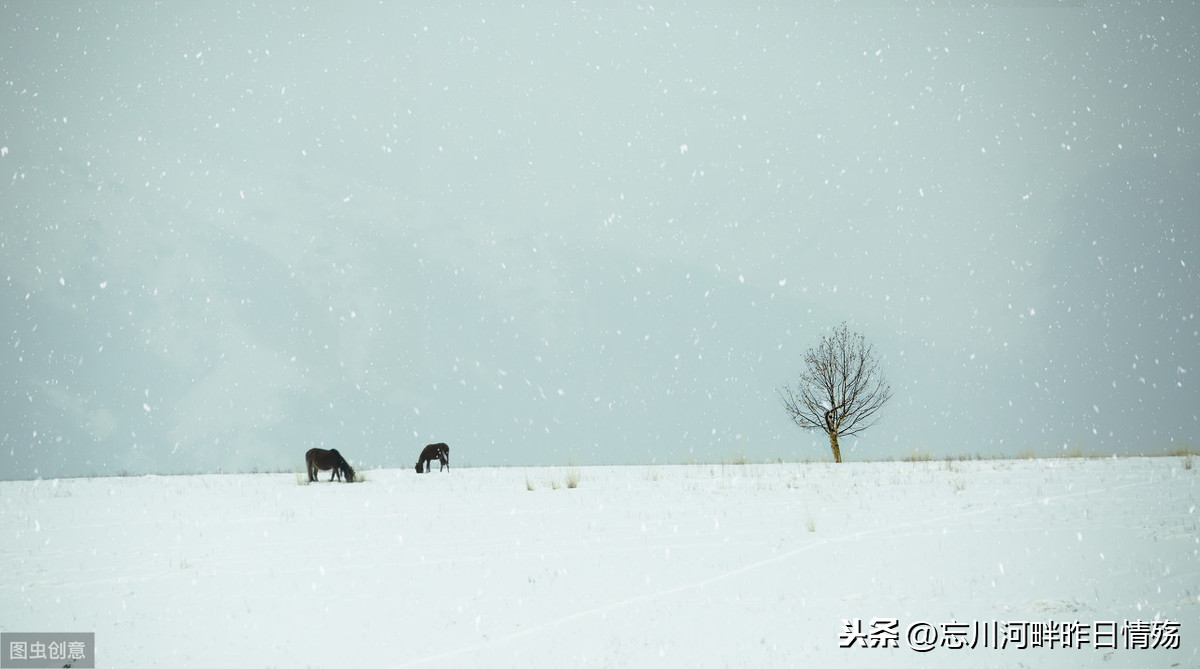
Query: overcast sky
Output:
(229,233)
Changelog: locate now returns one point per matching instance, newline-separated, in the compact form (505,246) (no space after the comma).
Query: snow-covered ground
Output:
(639,566)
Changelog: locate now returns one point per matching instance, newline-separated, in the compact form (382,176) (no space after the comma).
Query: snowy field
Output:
(655,566)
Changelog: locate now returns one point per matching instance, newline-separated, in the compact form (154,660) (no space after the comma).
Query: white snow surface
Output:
(638,566)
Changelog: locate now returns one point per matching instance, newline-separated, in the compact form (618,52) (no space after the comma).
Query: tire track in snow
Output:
(731,573)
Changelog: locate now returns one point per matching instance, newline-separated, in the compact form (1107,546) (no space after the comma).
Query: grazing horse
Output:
(439,452)
(319,458)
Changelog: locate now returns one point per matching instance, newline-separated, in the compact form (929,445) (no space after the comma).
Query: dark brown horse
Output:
(319,458)
(439,452)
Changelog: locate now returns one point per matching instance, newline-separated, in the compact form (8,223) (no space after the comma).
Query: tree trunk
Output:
(837,452)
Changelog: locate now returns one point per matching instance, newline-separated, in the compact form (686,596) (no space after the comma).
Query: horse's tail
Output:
(309,463)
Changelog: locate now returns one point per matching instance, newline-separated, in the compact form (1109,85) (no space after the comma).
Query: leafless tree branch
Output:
(841,390)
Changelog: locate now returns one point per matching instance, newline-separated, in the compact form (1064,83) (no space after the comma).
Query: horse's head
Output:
(344,467)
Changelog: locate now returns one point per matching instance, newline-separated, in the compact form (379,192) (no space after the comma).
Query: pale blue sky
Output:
(231,233)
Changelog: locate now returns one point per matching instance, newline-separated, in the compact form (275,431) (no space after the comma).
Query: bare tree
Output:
(841,390)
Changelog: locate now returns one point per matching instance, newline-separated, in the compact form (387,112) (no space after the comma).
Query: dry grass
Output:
(740,458)
(1075,451)
(918,455)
